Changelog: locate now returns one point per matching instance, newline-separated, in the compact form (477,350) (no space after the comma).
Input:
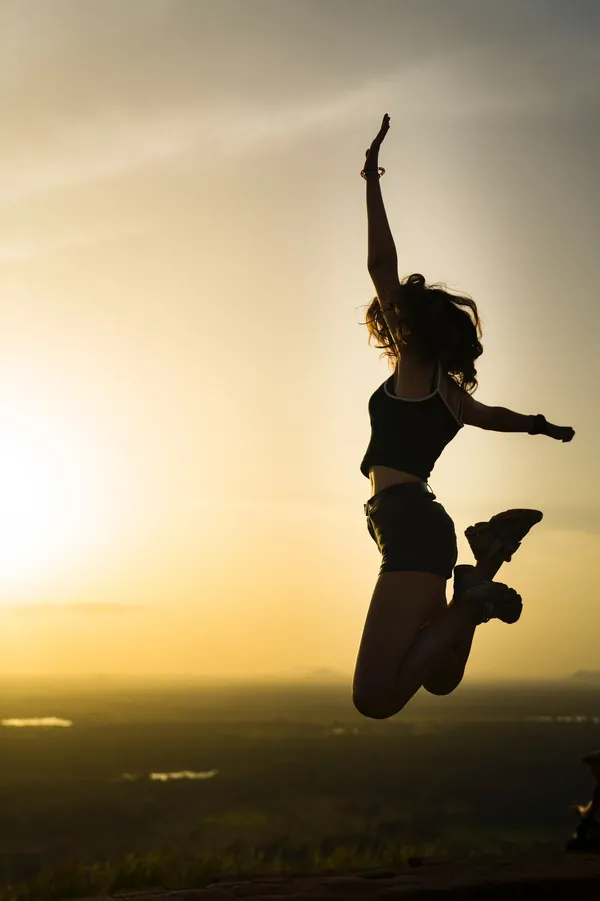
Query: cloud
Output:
(99,148)
(18,251)
(82,607)
(111,145)
(102,89)
(189,80)
(487,81)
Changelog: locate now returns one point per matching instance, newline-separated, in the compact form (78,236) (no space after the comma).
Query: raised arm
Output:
(382,259)
(381,248)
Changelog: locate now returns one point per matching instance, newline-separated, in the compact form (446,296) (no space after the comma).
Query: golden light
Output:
(47,489)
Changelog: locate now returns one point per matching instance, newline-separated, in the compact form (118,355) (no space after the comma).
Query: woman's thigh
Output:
(401,604)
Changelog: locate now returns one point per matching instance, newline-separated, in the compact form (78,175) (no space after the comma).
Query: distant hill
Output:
(318,674)
(587,675)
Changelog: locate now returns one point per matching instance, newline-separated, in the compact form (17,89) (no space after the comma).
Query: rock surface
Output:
(548,876)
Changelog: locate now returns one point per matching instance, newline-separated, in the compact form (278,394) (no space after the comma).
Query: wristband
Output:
(537,425)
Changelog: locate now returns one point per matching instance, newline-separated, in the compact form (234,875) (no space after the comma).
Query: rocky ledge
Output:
(549,876)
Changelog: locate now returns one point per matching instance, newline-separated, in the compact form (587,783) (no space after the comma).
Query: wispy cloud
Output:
(474,81)
(96,91)
(18,251)
(78,608)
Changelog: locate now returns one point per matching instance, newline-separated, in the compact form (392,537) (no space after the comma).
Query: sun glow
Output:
(47,489)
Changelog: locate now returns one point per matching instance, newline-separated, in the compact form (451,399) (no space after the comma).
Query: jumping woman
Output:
(412,638)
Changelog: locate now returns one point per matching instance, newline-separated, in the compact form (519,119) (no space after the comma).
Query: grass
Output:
(171,869)
(290,796)
(174,868)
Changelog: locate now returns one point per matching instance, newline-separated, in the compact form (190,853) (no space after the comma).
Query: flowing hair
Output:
(438,325)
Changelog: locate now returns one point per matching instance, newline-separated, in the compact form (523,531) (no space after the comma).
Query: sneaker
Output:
(502,534)
(498,601)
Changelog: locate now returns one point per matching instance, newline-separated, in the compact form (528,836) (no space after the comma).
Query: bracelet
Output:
(538,425)
(378,170)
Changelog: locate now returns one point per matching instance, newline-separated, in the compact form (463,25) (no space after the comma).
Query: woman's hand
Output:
(562,433)
(372,154)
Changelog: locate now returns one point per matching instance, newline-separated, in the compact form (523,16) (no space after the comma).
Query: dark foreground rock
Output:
(550,876)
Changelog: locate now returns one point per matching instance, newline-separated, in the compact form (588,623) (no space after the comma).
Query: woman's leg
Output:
(449,674)
(411,637)
(397,655)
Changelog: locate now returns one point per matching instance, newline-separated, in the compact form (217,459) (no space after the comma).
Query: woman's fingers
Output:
(384,129)
(385,125)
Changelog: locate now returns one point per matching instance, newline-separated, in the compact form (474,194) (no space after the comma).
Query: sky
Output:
(184,375)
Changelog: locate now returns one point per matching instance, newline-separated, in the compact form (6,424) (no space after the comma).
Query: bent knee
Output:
(445,681)
(440,688)
(376,707)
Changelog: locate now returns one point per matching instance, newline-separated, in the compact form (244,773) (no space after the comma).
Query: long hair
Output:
(437,325)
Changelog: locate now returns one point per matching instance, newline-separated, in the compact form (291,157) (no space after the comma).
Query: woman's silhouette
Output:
(412,638)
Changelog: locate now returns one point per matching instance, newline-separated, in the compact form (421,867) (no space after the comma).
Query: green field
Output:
(291,777)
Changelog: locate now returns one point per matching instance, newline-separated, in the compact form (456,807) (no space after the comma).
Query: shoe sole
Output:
(502,534)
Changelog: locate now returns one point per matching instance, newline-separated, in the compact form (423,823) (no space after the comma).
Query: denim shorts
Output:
(412,530)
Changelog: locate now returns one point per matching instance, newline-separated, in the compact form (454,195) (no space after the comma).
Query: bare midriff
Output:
(383,476)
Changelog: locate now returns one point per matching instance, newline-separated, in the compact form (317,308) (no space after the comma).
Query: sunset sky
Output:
(183,374)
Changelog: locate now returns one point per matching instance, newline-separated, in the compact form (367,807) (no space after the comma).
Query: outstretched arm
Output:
(500,419)
(381,248)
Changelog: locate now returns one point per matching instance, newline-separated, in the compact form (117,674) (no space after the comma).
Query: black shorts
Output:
(412,530)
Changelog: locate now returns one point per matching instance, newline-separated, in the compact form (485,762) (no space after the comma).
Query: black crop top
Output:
(409,433)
